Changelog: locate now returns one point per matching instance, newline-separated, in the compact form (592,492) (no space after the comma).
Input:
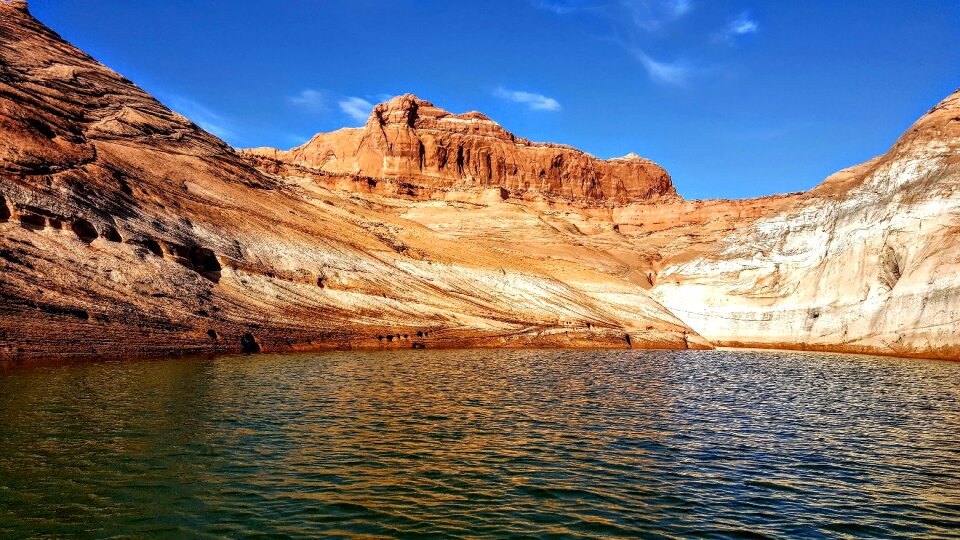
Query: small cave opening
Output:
(214,335)
(153,247)
(390,338)
(419,333)
(111,234)
(379,338)
(460,161)
(33,222)
(81,314)
(629,341)
(41,128)
(4,210)
(249,344)
(321,282)
(84,230)
(371,183)
(205,263)
(405,336)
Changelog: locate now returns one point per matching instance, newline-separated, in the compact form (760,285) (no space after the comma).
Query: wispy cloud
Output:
(673,73)
(536,102)
(740,26)
(640,26)
(310,100)
(199,114)
(356,108)
(635,23)
(647,15)
(652,15)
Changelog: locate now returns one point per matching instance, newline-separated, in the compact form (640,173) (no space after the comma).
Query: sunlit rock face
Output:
(867,262)
(127,230)
(409,140)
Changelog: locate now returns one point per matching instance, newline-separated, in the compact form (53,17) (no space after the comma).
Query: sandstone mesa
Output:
(126,230)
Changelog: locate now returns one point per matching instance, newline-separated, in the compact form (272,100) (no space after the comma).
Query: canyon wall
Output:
(126,230)
(867,262)
(862,263)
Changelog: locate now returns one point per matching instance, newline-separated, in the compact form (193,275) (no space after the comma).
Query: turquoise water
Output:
(483,443)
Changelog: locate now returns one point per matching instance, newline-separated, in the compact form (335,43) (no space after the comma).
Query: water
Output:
(483,443)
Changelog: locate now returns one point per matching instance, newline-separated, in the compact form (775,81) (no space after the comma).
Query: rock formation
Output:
(862,263)
(410,141)
(127,230)
(867,262)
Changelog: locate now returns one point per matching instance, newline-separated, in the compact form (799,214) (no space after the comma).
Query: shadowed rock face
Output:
(127,230)
(409,140)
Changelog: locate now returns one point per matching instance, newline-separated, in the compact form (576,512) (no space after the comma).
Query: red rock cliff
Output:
(410,140)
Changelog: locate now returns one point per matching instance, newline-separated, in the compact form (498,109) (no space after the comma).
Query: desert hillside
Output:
(127,230)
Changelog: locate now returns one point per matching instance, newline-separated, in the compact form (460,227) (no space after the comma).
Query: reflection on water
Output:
(472,443)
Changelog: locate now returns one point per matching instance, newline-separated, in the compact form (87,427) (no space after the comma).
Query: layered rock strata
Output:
(868,262)
(126,230)
(410,142)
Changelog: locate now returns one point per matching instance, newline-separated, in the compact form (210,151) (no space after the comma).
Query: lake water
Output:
(483,443)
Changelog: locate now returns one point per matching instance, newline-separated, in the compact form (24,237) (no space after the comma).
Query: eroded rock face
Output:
(410,141)
(868,262)
(127,230)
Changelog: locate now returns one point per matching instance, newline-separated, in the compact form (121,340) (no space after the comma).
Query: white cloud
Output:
(651,15)
(311,100)
(672,73)
(635,22)
(645,14)
(742,25)
(536,102)
(200,115)
(356,108)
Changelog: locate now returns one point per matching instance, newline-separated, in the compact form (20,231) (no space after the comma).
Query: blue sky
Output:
(733,98)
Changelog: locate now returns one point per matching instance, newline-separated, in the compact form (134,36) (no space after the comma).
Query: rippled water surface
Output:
(484,443)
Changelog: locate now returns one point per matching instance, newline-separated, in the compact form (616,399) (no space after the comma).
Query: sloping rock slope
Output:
(867,262)
(127,230)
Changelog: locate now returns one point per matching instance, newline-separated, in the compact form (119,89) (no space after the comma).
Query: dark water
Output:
(484,443)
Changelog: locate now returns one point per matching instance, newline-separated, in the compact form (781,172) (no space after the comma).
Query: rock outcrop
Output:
(126,230)
(411,142)
(868,261)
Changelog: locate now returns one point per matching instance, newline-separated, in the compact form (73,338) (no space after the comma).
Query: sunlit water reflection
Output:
(474,443)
